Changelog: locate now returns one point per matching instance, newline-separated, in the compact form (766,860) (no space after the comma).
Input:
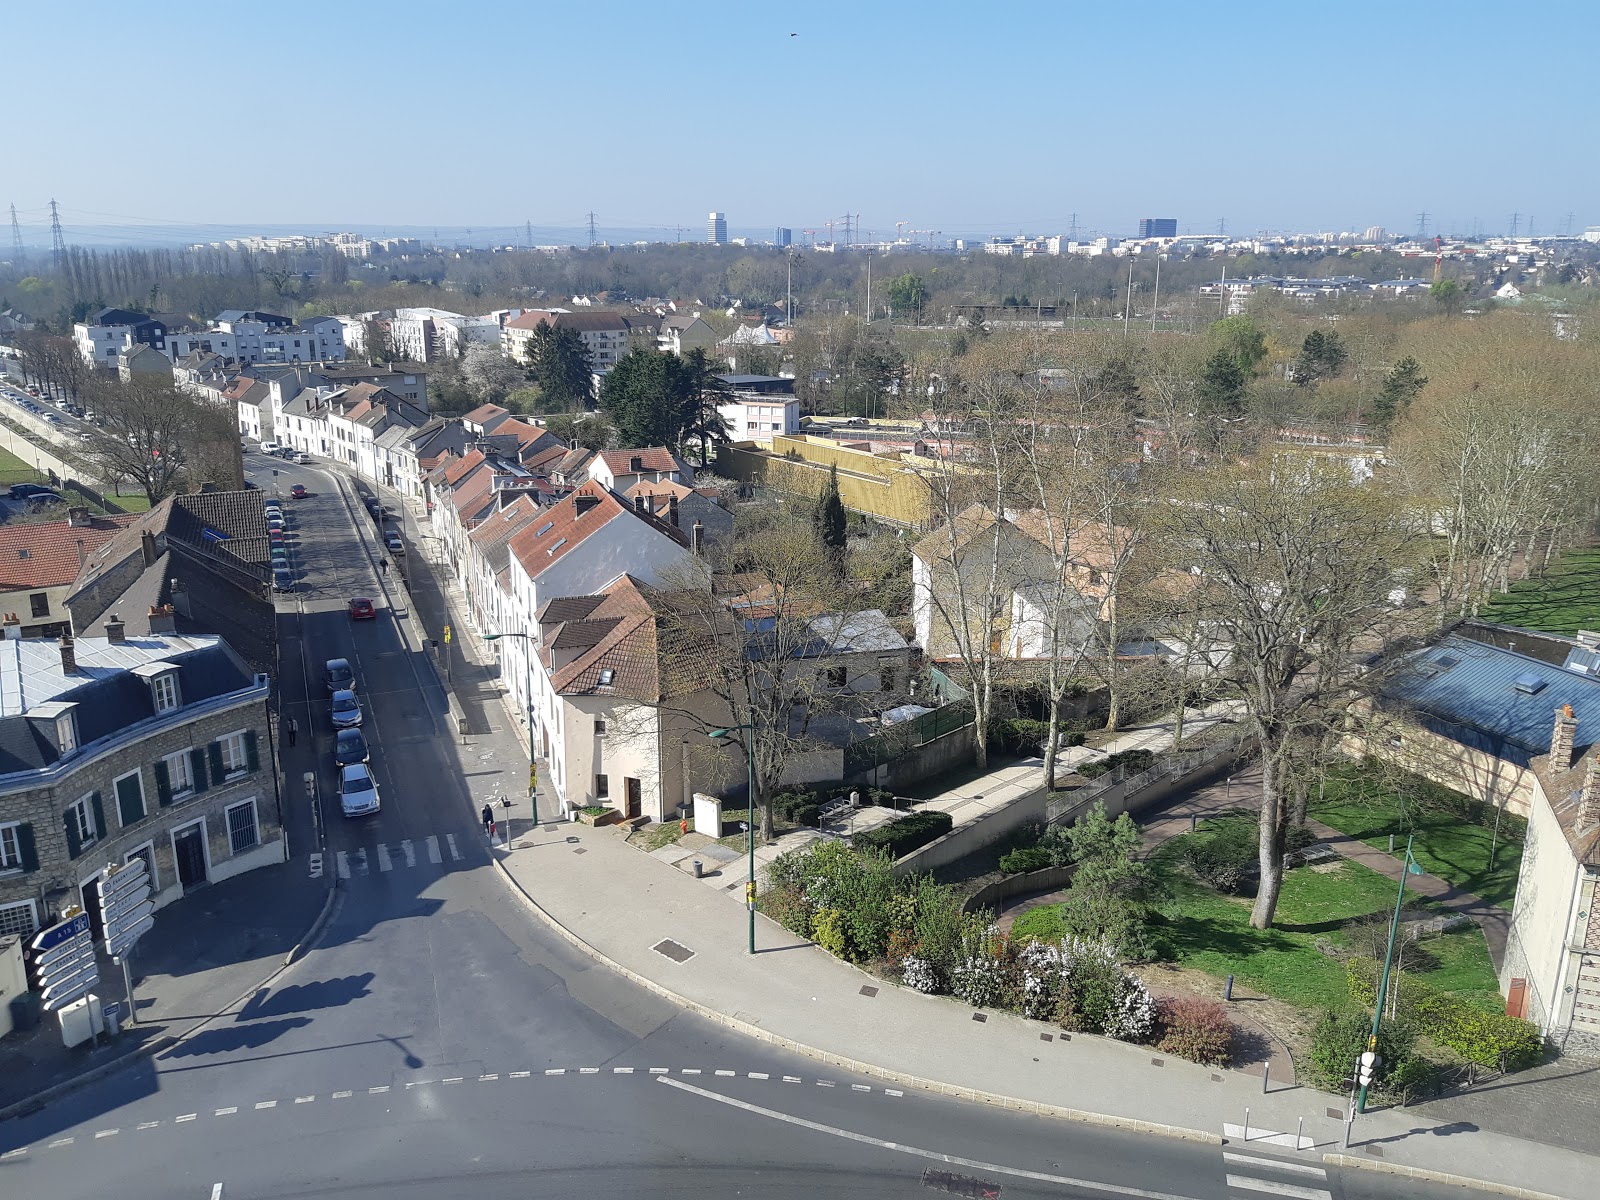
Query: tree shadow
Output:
(304,997)
(228,1038)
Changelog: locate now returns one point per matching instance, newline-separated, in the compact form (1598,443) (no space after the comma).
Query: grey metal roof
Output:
(1494,699)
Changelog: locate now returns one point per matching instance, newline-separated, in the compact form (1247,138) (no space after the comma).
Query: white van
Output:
(269,447)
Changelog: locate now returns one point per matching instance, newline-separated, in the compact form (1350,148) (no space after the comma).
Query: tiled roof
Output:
(625,644)
(486,416)
(493,535)
(652,458)
(565,526)
(574,461)
(51,554)
(462,467)
(567,608)
(586,322)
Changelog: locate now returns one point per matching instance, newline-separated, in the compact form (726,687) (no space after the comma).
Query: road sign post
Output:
(66,963)
(127,913)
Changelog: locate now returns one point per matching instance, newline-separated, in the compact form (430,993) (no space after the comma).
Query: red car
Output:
(298,492)
(361,609)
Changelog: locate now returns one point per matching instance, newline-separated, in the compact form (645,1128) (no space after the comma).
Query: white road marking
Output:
(555,1071)
(100,1133)
(341,1095)
(343,860)
(481,1078)
(691,1070)
(455,855)
(859,1087)
(433,849)
(791,1079)
(588,1070)
(454,1079)
(66,1141)
(660,1070)
(361,861)
(383,858)
(179,1121)
(1277,1164)
(727,1072)
(892,1092)
(824,1083)
(758,1075)
(373,1091)
(409,851)
(216,1191)
(149,1124)
(622,1070)
(520,1074)
(266,1104)
(1278,1189)
(227,1112)
(304,1099)
(316,866)
(10,1154)
(1286,1140)
(952,1160)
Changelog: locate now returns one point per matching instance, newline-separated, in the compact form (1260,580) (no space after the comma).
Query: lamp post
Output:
(527,697)
(749,727)
(1410,867)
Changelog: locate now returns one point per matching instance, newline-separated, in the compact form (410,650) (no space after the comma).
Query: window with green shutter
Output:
(197,765)
(163,783)
(214,757)
(130,799)
(25,844)
(252,756)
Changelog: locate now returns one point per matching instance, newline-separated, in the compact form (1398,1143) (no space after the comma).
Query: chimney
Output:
(69,655)
(78,517)
(163,619)
(584,502)
(672,510)
(1589,798)
(150,552)
(636,464)
(697,538)
(638,502)
(1562,738)
(12,626)
(116,631)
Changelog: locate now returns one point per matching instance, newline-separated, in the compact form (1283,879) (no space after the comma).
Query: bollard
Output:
(1391,843)
(1247,1123)
(1347,1123)
(699,868)
(1194,822)
(1227,989)
(1266,1076)
(1299,1132)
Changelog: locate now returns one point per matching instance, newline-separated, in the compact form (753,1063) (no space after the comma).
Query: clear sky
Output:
(969,118)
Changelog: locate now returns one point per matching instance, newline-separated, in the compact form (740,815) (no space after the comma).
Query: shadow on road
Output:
(303,997)
(234,1037)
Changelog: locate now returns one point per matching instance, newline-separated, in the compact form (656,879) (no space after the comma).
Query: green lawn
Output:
(1454,835)
(1565,600)
(136,502)
(14,470)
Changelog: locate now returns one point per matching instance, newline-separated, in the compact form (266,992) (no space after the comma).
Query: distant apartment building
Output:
(248,337)
(717,229)
(759,407)
(106,334)
(1158,227)
(783,237)
(604,333)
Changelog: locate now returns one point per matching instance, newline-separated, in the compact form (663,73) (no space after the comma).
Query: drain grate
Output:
(868,991)
(676,951)
(960,1185)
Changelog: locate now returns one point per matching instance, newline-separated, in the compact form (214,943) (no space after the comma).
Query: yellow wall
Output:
(890,489)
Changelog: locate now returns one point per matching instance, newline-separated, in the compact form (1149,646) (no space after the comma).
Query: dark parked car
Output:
(21,491)
(349,746)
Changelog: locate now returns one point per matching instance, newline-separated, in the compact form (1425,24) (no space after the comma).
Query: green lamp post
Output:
(748,727)
(1367,1067)
(533,781)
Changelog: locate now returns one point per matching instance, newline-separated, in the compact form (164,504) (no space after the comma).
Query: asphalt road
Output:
(437,1042)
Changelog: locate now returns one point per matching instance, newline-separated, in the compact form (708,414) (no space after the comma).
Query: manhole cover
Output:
(676,951)
(960,1185)
(868,991)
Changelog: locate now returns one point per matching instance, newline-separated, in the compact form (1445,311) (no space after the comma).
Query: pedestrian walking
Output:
(383,565)
(294,730)
(488,820)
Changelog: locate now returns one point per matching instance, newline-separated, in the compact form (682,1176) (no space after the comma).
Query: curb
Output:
(1034,1107)
(1335,1159)
(166,1041)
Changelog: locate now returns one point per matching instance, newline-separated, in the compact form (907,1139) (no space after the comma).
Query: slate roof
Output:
(493,535)
(51,554)
(1493,699)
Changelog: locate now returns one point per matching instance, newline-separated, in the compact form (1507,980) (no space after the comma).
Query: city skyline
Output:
(889,113)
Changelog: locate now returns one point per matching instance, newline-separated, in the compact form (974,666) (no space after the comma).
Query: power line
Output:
(593,240)
(16,237)
(57,238)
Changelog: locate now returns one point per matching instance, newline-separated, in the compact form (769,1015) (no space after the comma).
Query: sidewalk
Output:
(679,938)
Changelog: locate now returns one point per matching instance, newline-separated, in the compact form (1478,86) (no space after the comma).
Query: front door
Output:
(189,852)
(633,794)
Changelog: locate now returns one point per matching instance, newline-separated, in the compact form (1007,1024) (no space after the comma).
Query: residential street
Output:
(438,1040)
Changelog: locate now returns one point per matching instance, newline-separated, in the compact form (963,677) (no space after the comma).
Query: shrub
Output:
(808,816)
(1133,1017)
(1487,1038)
(1020,734)
(788,906)
(919,975)
(903,835)
(1026,858)
(1195,1028)
(1339,1039)
(828,930)
(1222,853)
(1133,760)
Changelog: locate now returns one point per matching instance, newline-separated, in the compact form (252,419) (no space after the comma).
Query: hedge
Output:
(1490,1039)
(901,836)
(1134,760)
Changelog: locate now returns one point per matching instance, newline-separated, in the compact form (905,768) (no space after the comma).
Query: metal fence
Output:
(897,740)
(1117,785)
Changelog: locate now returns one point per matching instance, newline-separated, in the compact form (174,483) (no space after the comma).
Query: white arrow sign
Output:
(64,991)
(119,943)
(69,951)
(114,887)
(127,911)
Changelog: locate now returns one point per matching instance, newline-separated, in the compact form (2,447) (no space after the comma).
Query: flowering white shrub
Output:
(919,975)
(1045,968)
(1134,1017)
(978,981)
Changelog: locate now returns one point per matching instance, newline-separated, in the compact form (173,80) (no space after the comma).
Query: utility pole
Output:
(58,239)
(527,233)
(869,289)
(788,259)
(1222,288)
(16,236)
(1127,308)
(1156,302)
(593,240)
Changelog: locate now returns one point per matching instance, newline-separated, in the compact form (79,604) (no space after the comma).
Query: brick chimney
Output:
(1589,798)
(697,539)
(163,619)
(148,541)
(78,517)
(69,655)
(116,631)
(12,626)
(639,502)
(585,502)
(672,510)
(1562,738)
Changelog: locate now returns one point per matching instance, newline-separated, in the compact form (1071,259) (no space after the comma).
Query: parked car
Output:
(298,492)
(338,673)
(282,580)
(345,709)
(358,791)
(302,459)
(21,491)
(349,746)
(392,540)
(361,609)
(280,559)
(269,447)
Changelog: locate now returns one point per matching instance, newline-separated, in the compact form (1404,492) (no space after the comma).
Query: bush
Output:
(1222,853)
(788,906)
(1026,858)
(1195,1028)
(1339,1039)
(903,835)
(1133,760)
(808,816)
(828,930)
(1487,1038)
(1020,734)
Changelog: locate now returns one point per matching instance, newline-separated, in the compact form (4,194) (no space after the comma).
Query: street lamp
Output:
(1411,868)
(527,696)
(748,727)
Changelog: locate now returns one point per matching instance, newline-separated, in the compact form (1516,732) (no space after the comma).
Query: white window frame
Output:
(168,683)
(10,858)
(149,848)
(186,763)
(84,805)
(227,741)
(255,824)
(67,733)
(33,914)
(116,796)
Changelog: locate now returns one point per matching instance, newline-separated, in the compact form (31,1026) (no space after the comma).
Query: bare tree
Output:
(147,432)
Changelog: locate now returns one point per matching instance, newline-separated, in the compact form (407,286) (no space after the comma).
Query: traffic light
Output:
(1367,1067)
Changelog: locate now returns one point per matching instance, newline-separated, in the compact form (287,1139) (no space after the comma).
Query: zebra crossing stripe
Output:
(409,851)
(383,858)
(344,865)
(1274,1188)
(455,855)
(433,849)
(361,860)
(1276,1164)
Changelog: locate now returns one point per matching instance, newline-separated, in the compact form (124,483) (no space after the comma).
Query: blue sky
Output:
(968,118)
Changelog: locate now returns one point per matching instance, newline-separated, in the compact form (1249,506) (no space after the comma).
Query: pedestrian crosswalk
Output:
(1275,1176)
(385,857)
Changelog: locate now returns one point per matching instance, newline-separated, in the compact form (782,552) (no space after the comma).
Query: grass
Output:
(14,470)
(1454,835)
(1564,600)
(137,502)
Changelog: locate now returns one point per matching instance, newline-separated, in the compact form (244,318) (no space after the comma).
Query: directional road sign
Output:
(133,877)
(62,959)
(122,941)
(65,991)
(50,938)
(125,906)
(66,967)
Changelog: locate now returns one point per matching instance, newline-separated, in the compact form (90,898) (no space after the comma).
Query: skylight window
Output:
(545,528)
(562,542)
(1446,661)
(606,676)
(1528,685)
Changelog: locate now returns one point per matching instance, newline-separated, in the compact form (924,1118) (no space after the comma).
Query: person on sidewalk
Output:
(383,565)
(294,730)
(488,819)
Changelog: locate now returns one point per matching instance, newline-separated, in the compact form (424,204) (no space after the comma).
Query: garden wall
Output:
(943,754)
(1047,879)
(975,835)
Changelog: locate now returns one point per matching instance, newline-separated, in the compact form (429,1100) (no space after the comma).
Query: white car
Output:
(302,459)
(358,791)
(269,447)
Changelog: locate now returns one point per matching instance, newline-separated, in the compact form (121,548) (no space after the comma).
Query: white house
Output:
(620,470)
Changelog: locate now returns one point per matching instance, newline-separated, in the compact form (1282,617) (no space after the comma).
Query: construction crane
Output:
(812,234)
(899,230)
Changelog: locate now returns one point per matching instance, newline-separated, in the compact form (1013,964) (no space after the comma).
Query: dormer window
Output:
(165,690)
(67,733)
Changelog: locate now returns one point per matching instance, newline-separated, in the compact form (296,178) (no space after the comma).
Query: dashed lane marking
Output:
(147,1125)
(622,1070)
(792,1079)
(453,1079)
(691,1070)
(227,1112)
(1274,1188)
(66,1141)
(486,1078)
(824,1083)
(100,1133)
(758,1075)
(520,1074)
(555,1070)
(660,1070)
(859,1087)
(341,1095)
(892,1092)
(373,1091)
(588,1070)
(180,1120)
(1276,1164)
(729,1073)
(304,1099)
(266,1104)
(10,1154)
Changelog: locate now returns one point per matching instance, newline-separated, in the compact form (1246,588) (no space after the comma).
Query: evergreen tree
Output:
(1400,386)
(830,521)
(1321,357)
(1221,386)
(563,366)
